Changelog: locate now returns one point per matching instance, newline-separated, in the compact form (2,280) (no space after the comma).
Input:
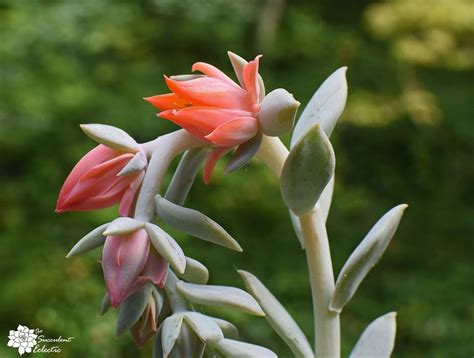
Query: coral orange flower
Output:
(213,107)
(97,181)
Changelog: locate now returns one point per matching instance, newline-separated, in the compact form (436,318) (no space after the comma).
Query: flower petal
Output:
(213,71)
(129,197)
(250,74)
(156,268)
(209,91)
(211,161)
(123,259)
(167,101)
(234,132)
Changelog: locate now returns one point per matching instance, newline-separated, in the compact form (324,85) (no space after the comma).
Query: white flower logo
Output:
(23,338)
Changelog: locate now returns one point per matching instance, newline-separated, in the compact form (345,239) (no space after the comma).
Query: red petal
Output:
(234,132)
(211,161)
(213,71)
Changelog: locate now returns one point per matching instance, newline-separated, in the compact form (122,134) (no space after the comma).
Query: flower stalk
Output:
(326,323)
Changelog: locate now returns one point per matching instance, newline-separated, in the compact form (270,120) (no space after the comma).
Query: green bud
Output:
(277,112)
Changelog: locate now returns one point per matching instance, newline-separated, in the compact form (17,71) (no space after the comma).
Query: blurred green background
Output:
(406,136)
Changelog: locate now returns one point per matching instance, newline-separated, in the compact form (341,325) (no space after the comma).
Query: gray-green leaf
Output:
(235,349)
(195,272)
(166,247)
(123,226)
(325,107)
(110,136)
(229,329)
(277,316)
(194,223)
(364,257)
(92,240)
(169,333)
(105,304)
(132,308)
(220,296)
(205,328)
(244,153)
(184,176)
(137,163)
(307,170)
(378,338)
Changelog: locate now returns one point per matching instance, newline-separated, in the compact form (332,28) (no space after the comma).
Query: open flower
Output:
(213,107)
(128,262)
(101,179)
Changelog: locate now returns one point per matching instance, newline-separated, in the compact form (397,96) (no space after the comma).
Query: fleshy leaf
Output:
(227,328)
(105,304)
(92,240)
(137,163)
(157,345)
(325,107)
(220,296)
(244,153)
(169,333)
(132,308)
(277,112)
(110,136)
(364,257)
(194,223)
(235,349)
(185,174)
(195,272)
(307,171)
(205,328)
(378,338)
(277,316)
(123,226)
(166,247)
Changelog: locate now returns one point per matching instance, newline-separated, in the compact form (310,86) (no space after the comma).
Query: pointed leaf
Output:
(205,328)
(159,299)
(235,349)
(92,240)
(364,257)
(194,223)
(195,272)
(105,304)
(277,316)
(166,247)
(132,308)
(169,333)
(244,153)
(137,163)
(307,171)
(325,107)
(227,328)
(112,137)
(378,338)
(220,296)
(185,174)
(157,345)
(123,226)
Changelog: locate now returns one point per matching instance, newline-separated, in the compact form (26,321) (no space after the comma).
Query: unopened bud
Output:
(277,112)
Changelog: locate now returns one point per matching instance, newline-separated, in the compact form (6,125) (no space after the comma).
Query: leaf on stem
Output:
(166,247)
(110,136)
(169,333)
(185,174)
(325,107)
(105,304)
(205,328)
(194,223)
(364,257)
(307,170)
(123,226)
(132,308)
(220,296)
(195,272)
(235,349)
(229,329)
(277,316)
(244,153)
(92,240)
(378,338)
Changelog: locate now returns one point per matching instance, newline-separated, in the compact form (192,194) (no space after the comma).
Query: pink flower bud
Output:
(95,183)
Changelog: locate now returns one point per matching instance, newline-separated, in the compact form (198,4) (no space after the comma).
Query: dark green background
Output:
(407,136)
